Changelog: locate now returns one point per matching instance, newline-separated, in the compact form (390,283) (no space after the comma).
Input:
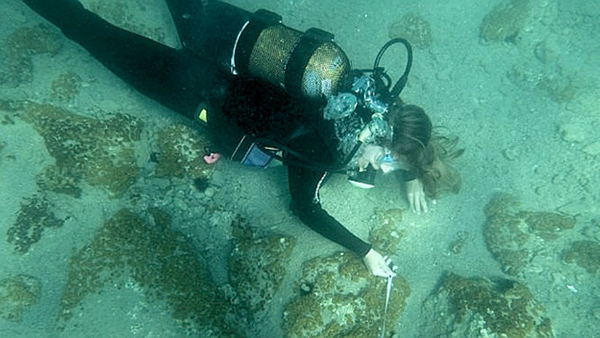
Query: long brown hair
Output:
(427,152)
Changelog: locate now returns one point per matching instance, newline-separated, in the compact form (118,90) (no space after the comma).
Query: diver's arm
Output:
(304,184)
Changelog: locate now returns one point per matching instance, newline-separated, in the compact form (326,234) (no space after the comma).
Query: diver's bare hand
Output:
(416,196)
(379,265)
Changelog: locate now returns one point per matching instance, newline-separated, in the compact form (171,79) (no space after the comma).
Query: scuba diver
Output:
(266,92)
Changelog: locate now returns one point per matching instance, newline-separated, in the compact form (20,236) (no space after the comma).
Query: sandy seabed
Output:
(526,109)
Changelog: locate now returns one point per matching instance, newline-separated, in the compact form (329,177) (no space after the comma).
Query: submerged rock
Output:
(98,151)
(505,21)
(33,218)
(181,151)
(66,86)
(514,236)
(18,293)
(257,267)
(16,67)
(480,307)
(413,28)
(160,262)
(337,297)
(385,233)
(586,254)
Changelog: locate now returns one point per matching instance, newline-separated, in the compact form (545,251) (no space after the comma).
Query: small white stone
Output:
(592,149)
(574,132)
(209,192)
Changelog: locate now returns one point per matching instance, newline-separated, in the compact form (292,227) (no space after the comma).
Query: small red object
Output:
(212,158)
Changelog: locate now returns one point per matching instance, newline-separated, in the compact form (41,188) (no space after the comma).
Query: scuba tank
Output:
(306,64)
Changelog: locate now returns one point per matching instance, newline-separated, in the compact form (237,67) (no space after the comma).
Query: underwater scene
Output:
(113,224)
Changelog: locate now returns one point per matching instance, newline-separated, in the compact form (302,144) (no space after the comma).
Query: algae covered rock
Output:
(18,293)
(480,307)
(181,151)
(16,66)
(514,236)
(505,21)
(586,254)
(547,225)
(160,262)
(458,244)
(413,28)
(99,151)
(556,83)
(33,217)
(384,234)
(337,297)
(66,86)
(60,179)
(257,267)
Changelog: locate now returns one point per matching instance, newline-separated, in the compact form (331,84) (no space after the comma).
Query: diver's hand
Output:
(378,265)
(372,154)
(416,196)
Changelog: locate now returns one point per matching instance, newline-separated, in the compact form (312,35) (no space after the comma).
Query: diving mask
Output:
(380,158)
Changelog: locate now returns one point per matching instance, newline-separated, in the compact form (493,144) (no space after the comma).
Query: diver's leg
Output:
(155,70)
(210,29)
(187,15)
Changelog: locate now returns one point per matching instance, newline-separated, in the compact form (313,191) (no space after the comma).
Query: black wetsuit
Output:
(181,79)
